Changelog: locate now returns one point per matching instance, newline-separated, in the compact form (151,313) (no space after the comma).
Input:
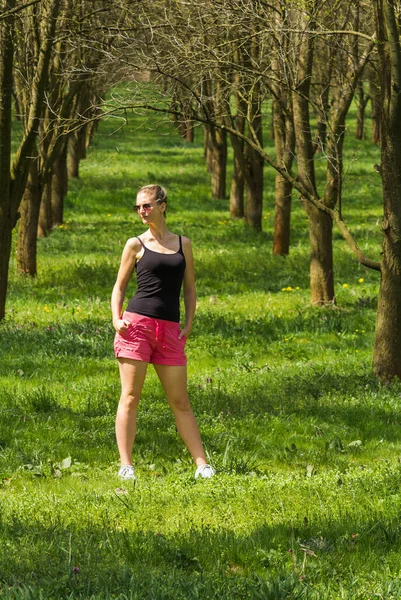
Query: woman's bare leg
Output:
(132,375)
(174,382)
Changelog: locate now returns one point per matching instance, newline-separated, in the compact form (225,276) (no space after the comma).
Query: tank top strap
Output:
(142,244)
(180,250)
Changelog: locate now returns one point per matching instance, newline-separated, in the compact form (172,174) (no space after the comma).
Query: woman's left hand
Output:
(185,332)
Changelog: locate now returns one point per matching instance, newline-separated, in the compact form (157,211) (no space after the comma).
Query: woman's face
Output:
(147,208)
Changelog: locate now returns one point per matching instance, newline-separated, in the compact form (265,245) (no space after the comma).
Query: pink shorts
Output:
(151,340)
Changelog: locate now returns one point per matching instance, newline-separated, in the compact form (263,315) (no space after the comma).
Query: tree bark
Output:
(254,183)
(320,231)
(28,223)
(375,101)
(237,188)
(321,257)
(362,100)
(207,148)
(386,352)
(76,151)
(254,187)
(59,185)
(284,141)
(218,139)
(7,210)
(45,221)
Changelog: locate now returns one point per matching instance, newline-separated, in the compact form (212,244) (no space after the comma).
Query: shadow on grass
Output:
(270,562)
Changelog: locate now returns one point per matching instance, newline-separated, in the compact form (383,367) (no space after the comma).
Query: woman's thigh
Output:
(132,375)
(174,382)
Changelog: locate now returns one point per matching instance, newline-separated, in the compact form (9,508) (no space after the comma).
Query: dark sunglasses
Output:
(146,207)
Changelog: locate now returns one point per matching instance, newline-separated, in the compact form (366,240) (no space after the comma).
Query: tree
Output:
(13,185)
(386,354)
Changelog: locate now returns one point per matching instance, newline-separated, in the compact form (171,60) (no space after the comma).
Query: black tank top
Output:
(159,277)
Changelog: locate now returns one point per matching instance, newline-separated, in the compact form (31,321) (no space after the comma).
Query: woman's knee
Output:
(180,404)
(129,401)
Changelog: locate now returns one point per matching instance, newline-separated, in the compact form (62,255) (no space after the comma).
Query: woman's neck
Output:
(159,231)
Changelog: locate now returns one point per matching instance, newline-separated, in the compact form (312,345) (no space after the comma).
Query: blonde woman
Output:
(149,331)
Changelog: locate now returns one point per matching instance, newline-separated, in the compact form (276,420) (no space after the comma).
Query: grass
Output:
(306,503)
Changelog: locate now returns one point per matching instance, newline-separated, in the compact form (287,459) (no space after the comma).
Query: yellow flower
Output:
(361,280)
(345,285)
(297,288)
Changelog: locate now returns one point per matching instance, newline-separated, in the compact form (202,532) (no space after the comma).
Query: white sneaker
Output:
(127,472)
(204,472)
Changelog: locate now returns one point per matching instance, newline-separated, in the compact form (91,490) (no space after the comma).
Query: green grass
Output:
(306,503)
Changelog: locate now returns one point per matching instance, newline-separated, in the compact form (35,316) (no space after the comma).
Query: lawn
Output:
(306,502)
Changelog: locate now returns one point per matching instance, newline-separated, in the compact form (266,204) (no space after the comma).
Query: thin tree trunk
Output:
(59,185)
(254,188)
(45,222)
(282,216)
(28,223)
(207,148)
(362,101)
(321,257)
(76,151)
(386,352)
(254,183)
(7,212)
(237,208)
(320,227)
(375,100)
(284,141)
(189,132)
(219,163)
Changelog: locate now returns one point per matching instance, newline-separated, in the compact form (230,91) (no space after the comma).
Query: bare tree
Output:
(386,355)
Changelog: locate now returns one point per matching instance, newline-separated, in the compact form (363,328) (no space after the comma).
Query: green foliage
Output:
(306,501)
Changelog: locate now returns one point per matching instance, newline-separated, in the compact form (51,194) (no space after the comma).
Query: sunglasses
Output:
(145,207)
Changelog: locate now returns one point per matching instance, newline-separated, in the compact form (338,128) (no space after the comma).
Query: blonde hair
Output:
(157,191)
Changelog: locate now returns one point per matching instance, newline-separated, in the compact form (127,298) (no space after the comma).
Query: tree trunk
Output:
(238,177)
(218,139)
(59,185)
(321,257)
(375,100)
(254,189)
(207,148)
(282,216)
(45,222)
(76,151)
(189,132)
(320,226)
(254,183)
(7,212)
(284,141)
(387,353)
(28,223)
(360,115)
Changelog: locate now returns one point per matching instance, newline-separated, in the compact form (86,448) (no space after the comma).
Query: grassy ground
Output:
(306,503)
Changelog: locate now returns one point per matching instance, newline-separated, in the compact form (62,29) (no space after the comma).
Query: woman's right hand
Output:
(121,325)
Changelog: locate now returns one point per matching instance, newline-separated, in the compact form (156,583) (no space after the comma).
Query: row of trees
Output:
(220,64)
(52,75)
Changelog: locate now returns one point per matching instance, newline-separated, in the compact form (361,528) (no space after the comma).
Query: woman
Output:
(149,330)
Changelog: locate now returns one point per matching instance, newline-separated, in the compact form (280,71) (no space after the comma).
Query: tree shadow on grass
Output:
(296,557)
